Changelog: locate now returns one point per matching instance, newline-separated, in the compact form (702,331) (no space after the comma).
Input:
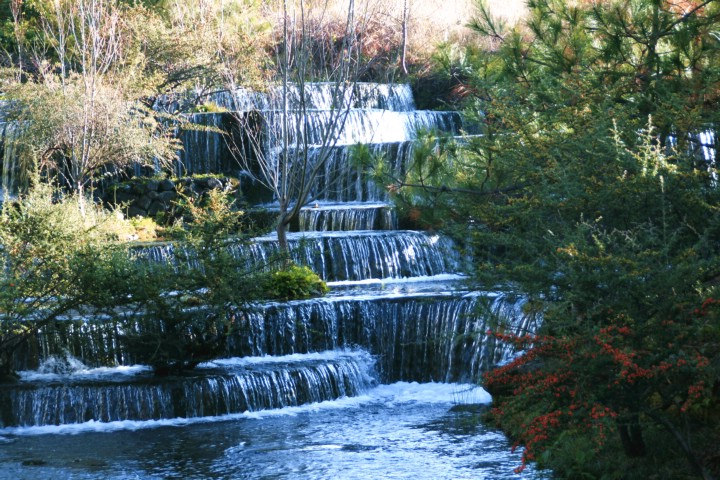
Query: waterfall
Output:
(321,96)
(205,148)
(220,388)
(397,96)
(380,116)
(360,255)
(351,255)
(8,149)
(311,127)
(342,178)
(418,331)
(345,217)
(417,337)
(398,309)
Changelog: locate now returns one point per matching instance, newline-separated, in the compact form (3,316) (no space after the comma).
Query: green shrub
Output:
(208,107)
(294,283)
(59,256)
(145,228)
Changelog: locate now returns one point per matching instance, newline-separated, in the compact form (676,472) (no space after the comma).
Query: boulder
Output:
(167,196)
(120,196)
(167,185)
(152,185)
(143,202)
(214,184)
(156,207)
(135,211)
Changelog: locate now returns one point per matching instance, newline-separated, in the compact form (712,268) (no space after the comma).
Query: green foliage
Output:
(211,215)
(144,229)
(447,85)
(630,386)
(85,75)
(433,169)
(574,198)
(208,107)
(182,329)
(294,283)
(57,262)
(177,319)
(653,58)
(63,260)
(179,46)
(74,133)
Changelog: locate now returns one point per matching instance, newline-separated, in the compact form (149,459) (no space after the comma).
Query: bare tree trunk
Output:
(16,11)
(289,172)
(285,121)
(406,14)
(281,228)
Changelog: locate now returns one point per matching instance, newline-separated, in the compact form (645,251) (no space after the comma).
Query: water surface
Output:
(398,431)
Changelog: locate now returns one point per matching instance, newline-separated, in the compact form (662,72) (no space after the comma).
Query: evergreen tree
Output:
(590,193)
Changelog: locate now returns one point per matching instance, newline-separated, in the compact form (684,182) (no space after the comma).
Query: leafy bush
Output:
(63,258)
(294,283)
(208,107)
(145,228)
(59,258)
(175,337)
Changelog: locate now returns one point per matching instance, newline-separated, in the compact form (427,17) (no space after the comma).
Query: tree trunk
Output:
(16,10)
(80,191)
(7,370)
(631,437)
(406,11)
(281,228)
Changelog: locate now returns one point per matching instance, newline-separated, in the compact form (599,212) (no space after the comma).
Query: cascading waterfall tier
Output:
(216,139)
(206,148)
(343,178)
(254,124)
(335,256)
(325,96)
(316,95)
(425,336)
(361,255)
(347,217)
(394,294)
(310,128)
(223,387)
(8,158)
(419,332)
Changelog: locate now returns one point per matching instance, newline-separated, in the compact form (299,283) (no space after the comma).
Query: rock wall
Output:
(150,197)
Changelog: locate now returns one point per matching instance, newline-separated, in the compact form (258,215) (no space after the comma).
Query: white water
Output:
(323,95)
(361,126)
(325,356)
(99,373)
(441,277)
(396,294)
(396,394)
(397,431)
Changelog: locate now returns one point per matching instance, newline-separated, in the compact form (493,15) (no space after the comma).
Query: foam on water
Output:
(442,277)
(325,205)
(98,373)
(384,294)
(325,356)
